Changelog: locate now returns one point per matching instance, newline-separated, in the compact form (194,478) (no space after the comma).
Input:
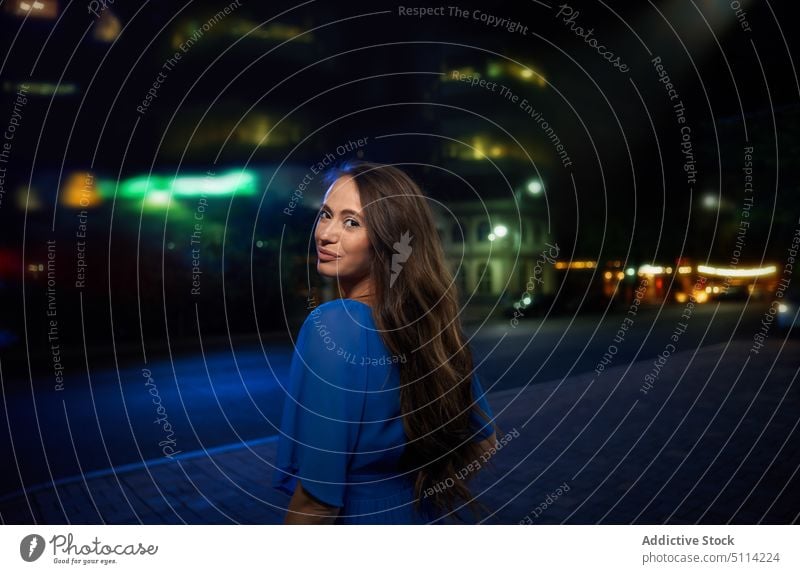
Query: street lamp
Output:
(534,187)
(710,201)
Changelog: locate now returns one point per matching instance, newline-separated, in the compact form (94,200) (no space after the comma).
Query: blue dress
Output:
(342,431)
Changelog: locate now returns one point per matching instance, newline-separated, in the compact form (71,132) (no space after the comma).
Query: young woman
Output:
(384,421)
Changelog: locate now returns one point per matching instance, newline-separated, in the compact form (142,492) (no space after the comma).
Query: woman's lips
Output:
(326,255)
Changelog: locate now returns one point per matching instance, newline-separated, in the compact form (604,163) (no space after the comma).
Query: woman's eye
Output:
(350,222)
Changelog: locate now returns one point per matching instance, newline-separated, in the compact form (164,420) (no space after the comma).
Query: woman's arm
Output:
(305,509)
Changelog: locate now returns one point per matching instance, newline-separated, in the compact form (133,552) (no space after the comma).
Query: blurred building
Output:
(494,217)
(492,247)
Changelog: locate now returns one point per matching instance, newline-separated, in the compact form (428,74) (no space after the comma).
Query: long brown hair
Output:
(415,308)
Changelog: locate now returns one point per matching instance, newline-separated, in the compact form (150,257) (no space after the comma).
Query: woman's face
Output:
(343,248)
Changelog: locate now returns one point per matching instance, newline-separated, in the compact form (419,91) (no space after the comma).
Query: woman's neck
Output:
(360,291)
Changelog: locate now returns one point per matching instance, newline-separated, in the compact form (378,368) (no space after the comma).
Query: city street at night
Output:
(368,263)
(235,416)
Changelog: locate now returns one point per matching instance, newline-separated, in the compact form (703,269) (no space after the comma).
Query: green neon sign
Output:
(160,187)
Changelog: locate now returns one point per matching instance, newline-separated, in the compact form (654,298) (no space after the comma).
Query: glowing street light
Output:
(500,231)
(534,187)
(710,201)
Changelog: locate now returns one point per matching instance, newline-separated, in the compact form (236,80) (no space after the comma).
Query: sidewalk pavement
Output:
(714,440)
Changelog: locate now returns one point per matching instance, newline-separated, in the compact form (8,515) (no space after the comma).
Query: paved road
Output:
(541,350)
(714,441)
(219,399)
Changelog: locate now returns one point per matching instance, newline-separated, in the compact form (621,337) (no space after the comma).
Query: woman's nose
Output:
(325,233)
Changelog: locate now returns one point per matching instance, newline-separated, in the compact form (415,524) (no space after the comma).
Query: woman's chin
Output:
(327,268)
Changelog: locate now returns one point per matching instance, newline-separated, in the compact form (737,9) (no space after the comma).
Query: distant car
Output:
(788,306)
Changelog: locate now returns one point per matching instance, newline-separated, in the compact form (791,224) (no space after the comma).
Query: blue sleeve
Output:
(323,405)
(478,422)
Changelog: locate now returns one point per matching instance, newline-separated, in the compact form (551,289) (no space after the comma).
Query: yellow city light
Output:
(734,272)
